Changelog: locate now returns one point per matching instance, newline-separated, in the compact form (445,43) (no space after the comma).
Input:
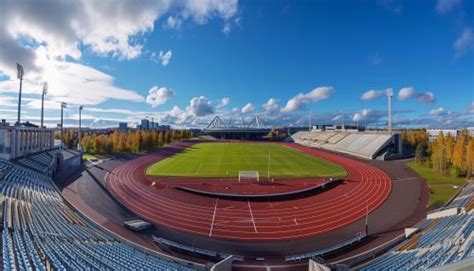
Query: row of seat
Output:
(42,162)
(440,241)
(40,231)
(367,145)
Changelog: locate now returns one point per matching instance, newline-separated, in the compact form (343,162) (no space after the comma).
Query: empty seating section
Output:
(367,145)
(42,162)
(440,241)
(40,231)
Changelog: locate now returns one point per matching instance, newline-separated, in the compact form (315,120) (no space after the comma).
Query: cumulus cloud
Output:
(438,111)
(48,38)
(364,114)
(162,57)
(236,110)
(300,100)
(371,94)
(464,42)
(445,6)
(406,93)
(271,106)
(200,106)
(224,102)
(248,108)
(159,95)
(426,97)
(70,82)
(410,92)
(201,11)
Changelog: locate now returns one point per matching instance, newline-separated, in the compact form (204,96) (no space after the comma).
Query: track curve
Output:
(366,189)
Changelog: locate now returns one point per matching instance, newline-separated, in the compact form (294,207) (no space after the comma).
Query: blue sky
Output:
(183,62)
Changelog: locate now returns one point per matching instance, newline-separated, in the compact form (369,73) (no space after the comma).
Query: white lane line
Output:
(213,218)
(251,215)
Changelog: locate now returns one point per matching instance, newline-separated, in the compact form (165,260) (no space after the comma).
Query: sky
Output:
(184,62)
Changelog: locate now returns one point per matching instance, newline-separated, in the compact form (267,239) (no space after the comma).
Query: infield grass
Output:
(227,159)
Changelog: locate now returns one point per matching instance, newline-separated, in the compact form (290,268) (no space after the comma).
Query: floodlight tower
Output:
(63,105)
(45,91)
(389,99)
(20,73)
(79,146)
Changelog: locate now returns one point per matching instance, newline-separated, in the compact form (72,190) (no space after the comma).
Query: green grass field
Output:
(227,159)
(441,186)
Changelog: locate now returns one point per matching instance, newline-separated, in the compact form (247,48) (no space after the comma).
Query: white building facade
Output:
(19,141)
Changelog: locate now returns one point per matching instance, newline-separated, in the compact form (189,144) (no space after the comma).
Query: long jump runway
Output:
(366,189)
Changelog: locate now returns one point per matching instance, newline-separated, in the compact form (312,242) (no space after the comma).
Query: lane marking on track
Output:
(251,215)
(213,218)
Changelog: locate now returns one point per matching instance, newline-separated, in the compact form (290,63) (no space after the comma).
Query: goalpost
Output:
(249,174)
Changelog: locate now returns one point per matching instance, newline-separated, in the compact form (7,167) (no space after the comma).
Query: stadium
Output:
(324,199)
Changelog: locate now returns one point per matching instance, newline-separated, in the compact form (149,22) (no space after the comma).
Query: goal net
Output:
(249,175)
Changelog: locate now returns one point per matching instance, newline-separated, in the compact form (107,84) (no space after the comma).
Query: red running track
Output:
(367,188)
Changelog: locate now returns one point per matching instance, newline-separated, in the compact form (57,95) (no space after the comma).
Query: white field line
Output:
(199,168)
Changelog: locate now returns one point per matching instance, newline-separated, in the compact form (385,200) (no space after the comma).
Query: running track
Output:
(366,189)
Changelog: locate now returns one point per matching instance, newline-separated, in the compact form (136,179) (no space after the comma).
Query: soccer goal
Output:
(249,175)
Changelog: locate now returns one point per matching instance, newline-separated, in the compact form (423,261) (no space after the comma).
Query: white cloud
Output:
(202,10)
(162,57)
(224,102)
(336,117)
(300,100)
(445,6)
(361,115)
(248,108)
(406,93)
(271,106)
(470,108)
(438,111)
(173,22)
(48,38)
(199,107)
(226,29)
(70,82)
(464,42)
(371,94)
(158,96)
(236,110)
(426,97)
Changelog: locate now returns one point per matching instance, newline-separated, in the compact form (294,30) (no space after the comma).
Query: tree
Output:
(161,139)
(97,145)
(470,157)
(458,157)
(420,153)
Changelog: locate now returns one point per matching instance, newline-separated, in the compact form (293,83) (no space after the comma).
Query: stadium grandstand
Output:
(41,231)
(443,238)
(369,145)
